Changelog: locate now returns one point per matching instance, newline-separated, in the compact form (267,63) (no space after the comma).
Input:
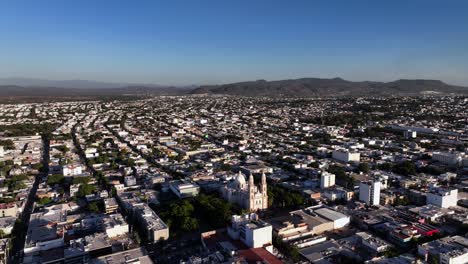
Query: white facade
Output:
(184,189)
(447,250)
(115,225)
(346,155)
(130,181)
(250,230)
(409,134)
(74,188)
(442,197)
(369,192)
(72,170)
(327,180)
(447,158)
(339,220)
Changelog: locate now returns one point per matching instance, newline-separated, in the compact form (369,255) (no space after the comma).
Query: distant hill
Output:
(84,84)
(331,87)
(305,87)
(14,90)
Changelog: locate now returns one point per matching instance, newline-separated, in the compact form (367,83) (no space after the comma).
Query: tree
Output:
(55,179)
(81,180)
(363,167)
(405,168)
(44,201)
(85,189)
(94,207)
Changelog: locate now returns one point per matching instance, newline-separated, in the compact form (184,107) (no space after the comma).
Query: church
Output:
(246,195)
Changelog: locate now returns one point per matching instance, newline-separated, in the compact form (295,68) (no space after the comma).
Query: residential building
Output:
(327,180)
(369,192)
(447,250)
(110,205)
(442,197)
(115,225)
(344,155)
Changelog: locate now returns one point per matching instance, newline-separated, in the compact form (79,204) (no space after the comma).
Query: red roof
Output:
(253,255)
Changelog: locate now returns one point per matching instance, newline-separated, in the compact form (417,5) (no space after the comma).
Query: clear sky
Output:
(199,42)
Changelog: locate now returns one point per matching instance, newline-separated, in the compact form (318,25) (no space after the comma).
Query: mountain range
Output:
(311,87)
(304,87)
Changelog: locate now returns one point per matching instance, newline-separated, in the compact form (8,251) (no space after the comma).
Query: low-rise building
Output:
(151,224)
(346,155)
(447,250)
(110,205)
(250,230)
(442,197)
(115,225)
(184,189)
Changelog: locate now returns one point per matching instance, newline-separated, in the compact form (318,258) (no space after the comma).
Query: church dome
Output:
(240,180)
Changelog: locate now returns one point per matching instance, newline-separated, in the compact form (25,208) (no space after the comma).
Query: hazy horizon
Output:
(211,42)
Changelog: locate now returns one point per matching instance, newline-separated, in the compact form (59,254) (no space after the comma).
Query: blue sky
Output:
(199,42)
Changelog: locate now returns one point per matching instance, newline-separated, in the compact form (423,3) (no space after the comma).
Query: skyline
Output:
(212,43)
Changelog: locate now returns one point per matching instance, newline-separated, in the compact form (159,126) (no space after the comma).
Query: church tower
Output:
(264,192)
(251,193)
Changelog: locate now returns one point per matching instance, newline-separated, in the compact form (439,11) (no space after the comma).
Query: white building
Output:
(339,220)
(153,226)
(2,152)
(447,176)
(443,198)
(369,192)
(250,230)
(346,155)
(449,158)
(409,134)
(130,181)
(115,225)
(74,188)
(447,250)
(184,189)
(333,194)
(327,180)
(72,170)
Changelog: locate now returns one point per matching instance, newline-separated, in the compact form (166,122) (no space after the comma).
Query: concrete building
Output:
(409,134)
(115,225)
(7,224)
(369,192)
(8,209)
(339,220)
(152,225)
(346,155)
(447,250)
(250,230)
(110,205)
(442,197)
(372,243)
(327,180)
(72,170)
(45,231)
(136,255)
(74,188)
(130,181)
(449,158)
(335,193)
(184,189)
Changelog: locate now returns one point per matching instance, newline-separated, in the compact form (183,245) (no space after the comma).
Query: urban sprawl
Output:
(225,179)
